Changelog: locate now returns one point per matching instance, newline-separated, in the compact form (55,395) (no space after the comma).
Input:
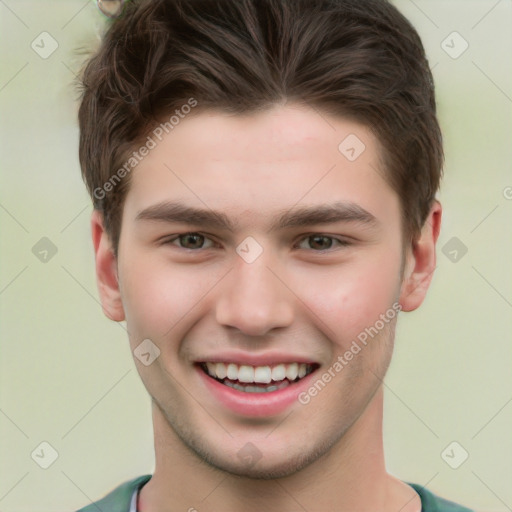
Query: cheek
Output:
(349,300)
(158,299)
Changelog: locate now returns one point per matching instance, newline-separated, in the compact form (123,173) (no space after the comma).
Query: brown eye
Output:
(192,241)
(322,242)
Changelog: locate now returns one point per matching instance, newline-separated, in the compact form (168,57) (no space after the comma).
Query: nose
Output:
(254,298)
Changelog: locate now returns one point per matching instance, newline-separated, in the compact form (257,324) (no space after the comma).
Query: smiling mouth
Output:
(257,379)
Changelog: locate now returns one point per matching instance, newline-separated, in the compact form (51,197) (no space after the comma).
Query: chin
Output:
(257,465)
(261,469)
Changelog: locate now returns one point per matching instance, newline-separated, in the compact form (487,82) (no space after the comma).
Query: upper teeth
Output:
(261,374)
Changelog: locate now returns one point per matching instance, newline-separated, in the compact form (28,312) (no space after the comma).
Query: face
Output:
(256,257)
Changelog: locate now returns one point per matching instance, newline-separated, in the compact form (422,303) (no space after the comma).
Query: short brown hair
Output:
(360,59)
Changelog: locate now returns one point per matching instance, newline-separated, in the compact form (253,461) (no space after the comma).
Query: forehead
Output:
(269,160)
(282,133)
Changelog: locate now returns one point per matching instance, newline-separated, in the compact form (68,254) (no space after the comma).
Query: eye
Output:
(323,242)
(192,241)
(196,241)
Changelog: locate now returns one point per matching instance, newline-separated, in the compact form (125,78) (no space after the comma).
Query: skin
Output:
(294,298)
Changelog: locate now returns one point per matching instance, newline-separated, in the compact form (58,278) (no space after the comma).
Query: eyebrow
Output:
(339,211)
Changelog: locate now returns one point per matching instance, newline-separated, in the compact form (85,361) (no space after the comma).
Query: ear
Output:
(421,261)
(106,270)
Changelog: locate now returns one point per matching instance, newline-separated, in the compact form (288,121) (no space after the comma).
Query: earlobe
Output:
(421,262)
(106,270)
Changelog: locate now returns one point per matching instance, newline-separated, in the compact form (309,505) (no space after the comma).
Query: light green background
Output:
(67,375)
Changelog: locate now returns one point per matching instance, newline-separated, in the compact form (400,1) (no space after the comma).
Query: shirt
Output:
(124,499)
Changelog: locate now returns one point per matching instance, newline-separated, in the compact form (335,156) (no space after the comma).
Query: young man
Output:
(263,175)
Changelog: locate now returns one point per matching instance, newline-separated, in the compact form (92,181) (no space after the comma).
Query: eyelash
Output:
(342,242)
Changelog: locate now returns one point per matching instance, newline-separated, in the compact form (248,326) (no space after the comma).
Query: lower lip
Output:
(255,405)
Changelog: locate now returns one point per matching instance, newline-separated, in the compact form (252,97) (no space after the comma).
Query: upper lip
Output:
(266,359)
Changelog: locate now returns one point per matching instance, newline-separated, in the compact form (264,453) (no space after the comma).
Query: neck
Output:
(351,476)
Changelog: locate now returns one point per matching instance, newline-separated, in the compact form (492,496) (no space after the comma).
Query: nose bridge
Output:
(253,299)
